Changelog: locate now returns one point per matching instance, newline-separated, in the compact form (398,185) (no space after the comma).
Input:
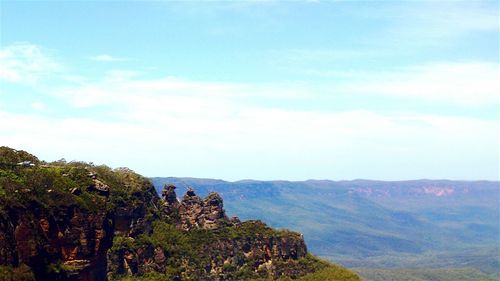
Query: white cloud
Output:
(173,126)
(25,62)
(38,106)
(178,127)
(458,16)
(120,88)
(322,56)
(265,143)
(106,58)
(434,23)
(471,84)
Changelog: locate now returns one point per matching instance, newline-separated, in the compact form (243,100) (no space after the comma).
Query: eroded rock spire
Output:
(195,212)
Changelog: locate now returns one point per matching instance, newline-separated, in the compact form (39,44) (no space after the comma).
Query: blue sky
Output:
(256,89)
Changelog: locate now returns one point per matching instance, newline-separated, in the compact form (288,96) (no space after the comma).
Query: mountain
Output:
(375,224)
(77,221)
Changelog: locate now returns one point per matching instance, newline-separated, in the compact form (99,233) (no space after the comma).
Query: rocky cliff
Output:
(78,221)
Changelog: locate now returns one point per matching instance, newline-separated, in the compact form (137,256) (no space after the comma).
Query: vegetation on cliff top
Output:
(62,183)
(190,248)
(329,272)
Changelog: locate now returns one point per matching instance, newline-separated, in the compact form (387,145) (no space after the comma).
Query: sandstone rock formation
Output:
(192,212)
(69,238)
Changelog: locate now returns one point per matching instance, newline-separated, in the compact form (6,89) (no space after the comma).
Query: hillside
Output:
(374,224)
(78,221)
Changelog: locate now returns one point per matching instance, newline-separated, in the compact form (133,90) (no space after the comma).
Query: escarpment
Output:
(78,221)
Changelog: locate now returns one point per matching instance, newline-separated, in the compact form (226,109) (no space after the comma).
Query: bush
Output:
(20,273)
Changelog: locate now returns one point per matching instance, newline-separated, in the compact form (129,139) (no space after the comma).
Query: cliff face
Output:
(71,239)
(53,238)
(76,221)
(58,220)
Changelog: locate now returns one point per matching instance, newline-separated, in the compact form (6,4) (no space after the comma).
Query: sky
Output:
(290,90)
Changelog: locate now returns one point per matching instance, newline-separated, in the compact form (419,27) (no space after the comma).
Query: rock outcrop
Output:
(192,212)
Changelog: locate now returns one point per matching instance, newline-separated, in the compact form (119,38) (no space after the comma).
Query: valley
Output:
(375,225)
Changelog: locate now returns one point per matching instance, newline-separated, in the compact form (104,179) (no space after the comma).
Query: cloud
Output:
(459,16)
(181,127)
(38,106)
(219,140)
(316,56)
(122,88)
(172,126)
(431,24)
(25,62)
(467,84)
(106,58)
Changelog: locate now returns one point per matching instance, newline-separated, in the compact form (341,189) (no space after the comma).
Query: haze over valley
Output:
(369,225)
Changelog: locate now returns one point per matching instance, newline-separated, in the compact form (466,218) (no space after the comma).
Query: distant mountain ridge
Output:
(375,224)
(408,185)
